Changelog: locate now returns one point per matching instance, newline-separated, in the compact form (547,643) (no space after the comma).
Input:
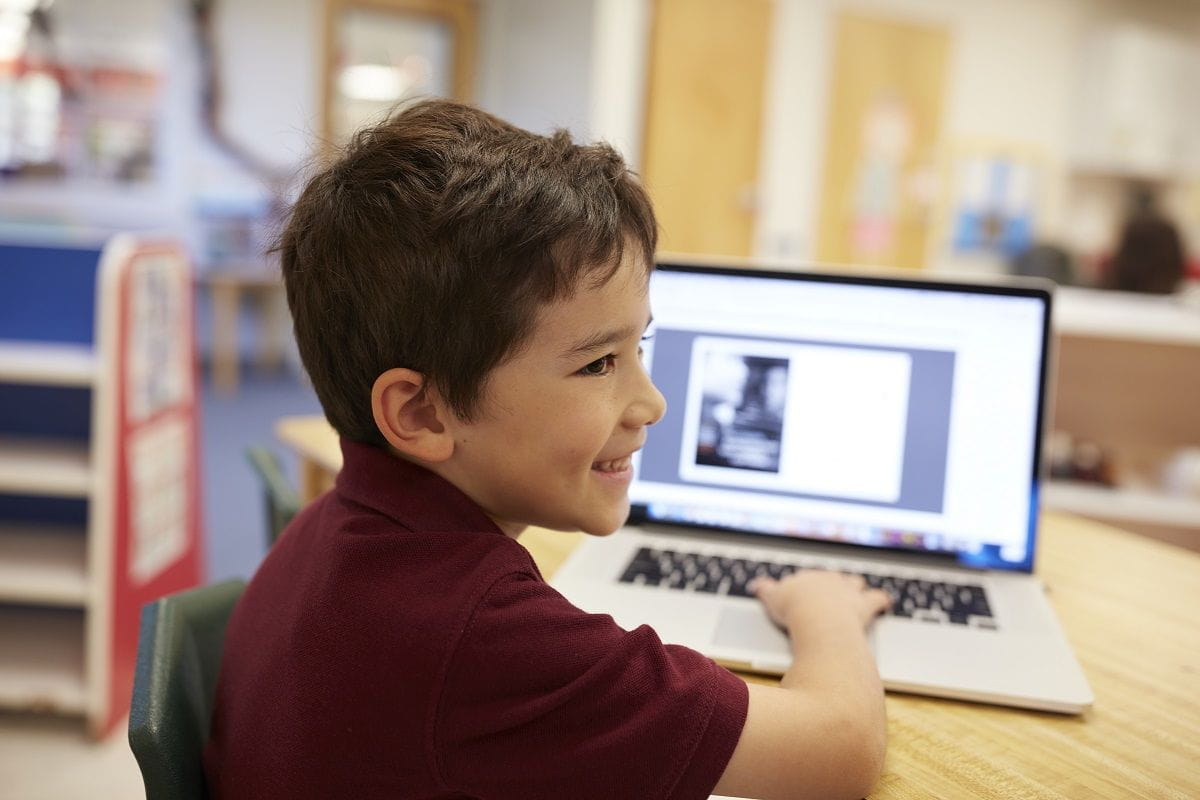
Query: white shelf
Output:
(41,660)
(1125,504)
(42,467)
(43,564)
(1171,319)
(46,364)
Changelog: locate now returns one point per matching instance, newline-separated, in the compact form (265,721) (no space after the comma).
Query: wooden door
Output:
(707,66)
(882,128)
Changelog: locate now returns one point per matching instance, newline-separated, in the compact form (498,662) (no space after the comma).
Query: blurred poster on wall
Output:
(882,134)
(119,117)
(886,142)
(993,204)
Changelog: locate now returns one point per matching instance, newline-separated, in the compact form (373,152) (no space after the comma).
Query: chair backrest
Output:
(178,656)
(1046,261)
(281,499)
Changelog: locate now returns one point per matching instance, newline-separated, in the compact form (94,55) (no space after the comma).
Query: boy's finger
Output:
(758,584)
(880,600)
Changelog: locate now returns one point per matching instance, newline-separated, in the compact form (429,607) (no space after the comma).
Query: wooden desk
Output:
(1130,609)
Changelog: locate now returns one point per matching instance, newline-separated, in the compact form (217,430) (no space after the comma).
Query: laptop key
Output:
(738,589)
(633,573)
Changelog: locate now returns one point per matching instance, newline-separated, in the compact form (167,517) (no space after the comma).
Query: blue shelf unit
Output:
(47,301)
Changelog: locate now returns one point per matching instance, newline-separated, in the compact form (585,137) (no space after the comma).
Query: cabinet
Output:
(1128,378)
(99,508)
(1137,114)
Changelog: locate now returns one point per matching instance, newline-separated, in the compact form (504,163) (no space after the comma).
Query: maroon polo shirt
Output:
(395,643)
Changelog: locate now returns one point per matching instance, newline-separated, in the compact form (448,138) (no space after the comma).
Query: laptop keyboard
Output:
(925,600)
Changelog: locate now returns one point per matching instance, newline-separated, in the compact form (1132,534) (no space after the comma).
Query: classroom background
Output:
(149,149)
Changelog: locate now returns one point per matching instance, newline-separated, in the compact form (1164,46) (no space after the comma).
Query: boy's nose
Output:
(649,405)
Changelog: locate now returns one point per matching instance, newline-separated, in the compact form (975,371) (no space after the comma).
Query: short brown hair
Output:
(433,240)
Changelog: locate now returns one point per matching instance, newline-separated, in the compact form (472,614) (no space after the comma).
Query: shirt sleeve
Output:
(542,700)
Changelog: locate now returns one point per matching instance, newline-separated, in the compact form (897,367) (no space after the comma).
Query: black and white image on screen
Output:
(743,400)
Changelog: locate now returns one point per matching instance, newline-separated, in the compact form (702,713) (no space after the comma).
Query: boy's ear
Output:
(410,416)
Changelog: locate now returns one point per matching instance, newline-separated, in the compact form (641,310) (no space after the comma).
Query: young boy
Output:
(469,301)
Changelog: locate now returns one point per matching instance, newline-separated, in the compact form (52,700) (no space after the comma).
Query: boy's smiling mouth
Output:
(615,465)
(620,467)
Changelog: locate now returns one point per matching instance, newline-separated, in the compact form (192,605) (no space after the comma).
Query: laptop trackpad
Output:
(749,629)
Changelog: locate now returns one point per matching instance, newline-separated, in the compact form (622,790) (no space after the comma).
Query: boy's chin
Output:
(607,527)
(605,531)
(604,524)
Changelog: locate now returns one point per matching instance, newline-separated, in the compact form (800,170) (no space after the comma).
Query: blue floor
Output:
(234,517)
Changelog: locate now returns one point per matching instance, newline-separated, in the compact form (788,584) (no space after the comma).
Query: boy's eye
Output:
(601,366)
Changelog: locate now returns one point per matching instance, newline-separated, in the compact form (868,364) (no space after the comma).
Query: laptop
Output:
(877,425)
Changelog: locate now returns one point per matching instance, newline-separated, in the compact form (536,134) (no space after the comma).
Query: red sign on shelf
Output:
(146,536)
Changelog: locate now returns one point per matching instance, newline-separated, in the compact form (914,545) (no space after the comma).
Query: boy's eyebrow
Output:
(602,339)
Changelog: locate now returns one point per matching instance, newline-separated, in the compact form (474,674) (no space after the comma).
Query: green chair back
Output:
(179,653)
(280,498)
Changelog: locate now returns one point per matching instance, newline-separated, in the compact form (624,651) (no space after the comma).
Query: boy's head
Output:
(445,244)
(432,242)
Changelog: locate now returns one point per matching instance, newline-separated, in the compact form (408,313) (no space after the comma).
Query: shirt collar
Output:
(409,494)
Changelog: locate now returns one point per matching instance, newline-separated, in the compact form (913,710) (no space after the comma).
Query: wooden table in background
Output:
(1131,609)
(226,288)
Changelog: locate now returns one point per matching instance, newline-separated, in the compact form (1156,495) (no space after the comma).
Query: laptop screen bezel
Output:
(988,558)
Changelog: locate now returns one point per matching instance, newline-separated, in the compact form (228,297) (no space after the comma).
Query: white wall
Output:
(578,64)
(270,54)
(621,51)
(536,63)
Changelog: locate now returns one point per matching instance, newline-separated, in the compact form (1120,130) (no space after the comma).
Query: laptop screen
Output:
(880,412)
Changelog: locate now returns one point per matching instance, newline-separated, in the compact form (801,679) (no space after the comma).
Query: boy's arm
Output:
(822,732)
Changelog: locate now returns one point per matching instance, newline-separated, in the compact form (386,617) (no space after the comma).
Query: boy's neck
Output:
(512,530)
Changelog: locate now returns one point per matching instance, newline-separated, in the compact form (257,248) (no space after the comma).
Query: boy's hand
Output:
(828,707)
(814,598)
